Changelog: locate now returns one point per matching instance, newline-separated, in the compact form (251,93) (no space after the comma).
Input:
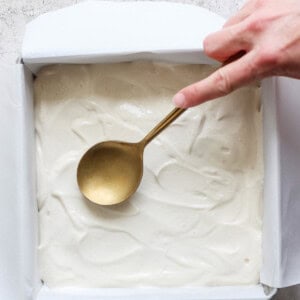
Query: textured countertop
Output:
(14,14)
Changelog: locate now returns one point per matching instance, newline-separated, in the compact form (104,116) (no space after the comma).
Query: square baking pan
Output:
(128,31)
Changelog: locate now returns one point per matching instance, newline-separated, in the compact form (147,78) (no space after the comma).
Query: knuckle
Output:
(191,95)
(195,92)
(259,3)
(259,21)
(223,83)
(255,25)
(268,57)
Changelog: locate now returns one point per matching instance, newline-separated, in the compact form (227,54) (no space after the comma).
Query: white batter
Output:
(196,217)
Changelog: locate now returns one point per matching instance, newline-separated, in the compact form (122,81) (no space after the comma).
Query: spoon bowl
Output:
(110,172)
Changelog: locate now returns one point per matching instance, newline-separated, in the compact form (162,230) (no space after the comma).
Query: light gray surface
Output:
(14,14)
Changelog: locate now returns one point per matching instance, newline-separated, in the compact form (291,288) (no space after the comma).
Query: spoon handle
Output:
(173,115)
(176,112)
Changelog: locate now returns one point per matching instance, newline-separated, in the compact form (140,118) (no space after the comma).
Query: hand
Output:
(267,32)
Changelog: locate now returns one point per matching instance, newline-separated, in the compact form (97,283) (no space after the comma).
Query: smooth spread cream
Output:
(196,217)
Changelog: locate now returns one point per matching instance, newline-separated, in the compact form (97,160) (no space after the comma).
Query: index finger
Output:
(220,83)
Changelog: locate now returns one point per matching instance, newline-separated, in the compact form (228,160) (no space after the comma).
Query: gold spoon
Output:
(110,172)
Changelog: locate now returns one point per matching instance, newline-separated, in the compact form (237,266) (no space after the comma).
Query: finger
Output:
(242,14)
(220,83)
(225,43)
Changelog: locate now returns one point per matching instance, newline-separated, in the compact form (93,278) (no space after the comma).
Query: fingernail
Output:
(179,100)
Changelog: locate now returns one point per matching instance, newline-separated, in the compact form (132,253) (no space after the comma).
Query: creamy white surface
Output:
(196,217)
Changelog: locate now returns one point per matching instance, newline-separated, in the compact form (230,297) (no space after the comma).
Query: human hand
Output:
(267,32)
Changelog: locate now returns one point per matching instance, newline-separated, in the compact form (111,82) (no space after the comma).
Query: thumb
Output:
(220,83)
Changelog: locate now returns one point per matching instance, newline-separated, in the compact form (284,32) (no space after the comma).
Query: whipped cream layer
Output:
(195,219)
